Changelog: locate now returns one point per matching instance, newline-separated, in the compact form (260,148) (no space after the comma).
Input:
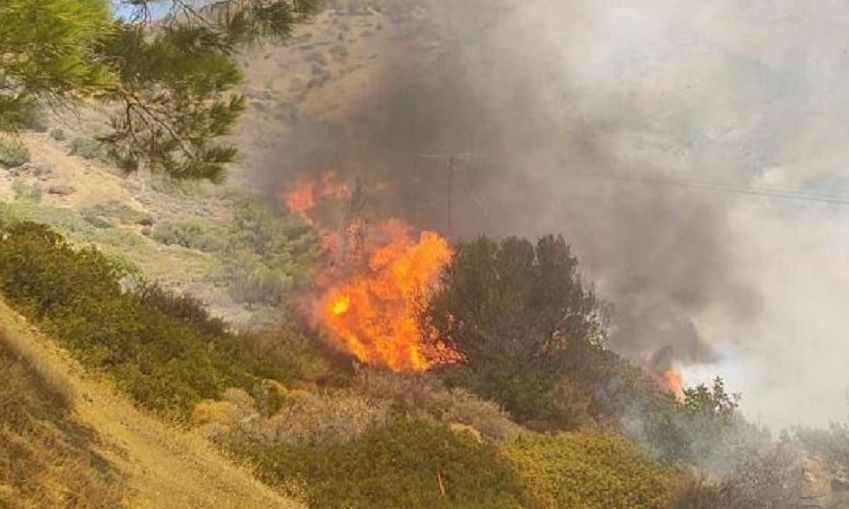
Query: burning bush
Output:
(374,313)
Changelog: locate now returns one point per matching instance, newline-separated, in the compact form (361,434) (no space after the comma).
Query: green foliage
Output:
(86,148)
(169,80)
(46,459)
(396,466)
(268,254)
(589,470)
(58,134)
(162,349)
(37,121)
(191,235)
(298,357)
(113,211)
(72,30)
(703,430)
(172,130)
(27,192)
(520,316)
(13,152)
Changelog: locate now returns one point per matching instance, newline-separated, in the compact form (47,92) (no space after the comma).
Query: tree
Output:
(522,319)
(164,69)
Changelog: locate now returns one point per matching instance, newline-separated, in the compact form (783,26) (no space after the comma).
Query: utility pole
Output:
(452,165)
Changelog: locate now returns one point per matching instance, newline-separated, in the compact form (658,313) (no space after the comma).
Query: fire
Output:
(306,193)
(374,313)
(673,381)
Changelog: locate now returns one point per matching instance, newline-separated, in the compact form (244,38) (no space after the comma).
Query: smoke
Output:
(585,117)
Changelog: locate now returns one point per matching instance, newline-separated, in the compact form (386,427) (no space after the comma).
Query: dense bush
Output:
(589,470)
(409,464)
(521,317)
(28,192)
(703,429)
(191,235)
(267,254)
(86,148)
(37,120)
(162,349)
(113,211)
(298,356)
(58,134)
(13,152)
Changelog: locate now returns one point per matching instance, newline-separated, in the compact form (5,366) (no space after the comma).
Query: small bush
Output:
(58,134)
(13,152)
(37,120)
(107,215)
(409,464)
(267,254)
(86,148)
(190,235)
(26,192)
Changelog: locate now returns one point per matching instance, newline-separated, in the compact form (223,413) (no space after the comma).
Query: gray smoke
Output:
(612,122)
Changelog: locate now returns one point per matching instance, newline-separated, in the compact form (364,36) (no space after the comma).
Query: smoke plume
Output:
(638,130)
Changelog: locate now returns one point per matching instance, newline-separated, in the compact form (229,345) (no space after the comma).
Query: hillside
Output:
(326,329)
(145,460)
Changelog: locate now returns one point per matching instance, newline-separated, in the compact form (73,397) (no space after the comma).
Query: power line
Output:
(791,194)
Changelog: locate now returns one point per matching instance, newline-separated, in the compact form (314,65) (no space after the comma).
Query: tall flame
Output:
(374,314)
(375,283)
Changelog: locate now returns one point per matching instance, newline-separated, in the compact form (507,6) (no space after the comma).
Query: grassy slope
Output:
(157,464)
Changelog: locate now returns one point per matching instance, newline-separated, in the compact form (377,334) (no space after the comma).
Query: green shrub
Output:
(299,358)
(589,470)
(162,349)
(58,134)
(522,319)
(267,254)
(399,466)
(86,148)
(190,235)
(26,192)
(37,120)
(118,211)
(13,152)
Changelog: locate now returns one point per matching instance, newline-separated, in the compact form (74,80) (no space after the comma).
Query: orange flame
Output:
(374,313)
(673,381)
(306,193)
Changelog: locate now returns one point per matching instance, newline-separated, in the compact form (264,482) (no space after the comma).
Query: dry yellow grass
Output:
(159,466)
